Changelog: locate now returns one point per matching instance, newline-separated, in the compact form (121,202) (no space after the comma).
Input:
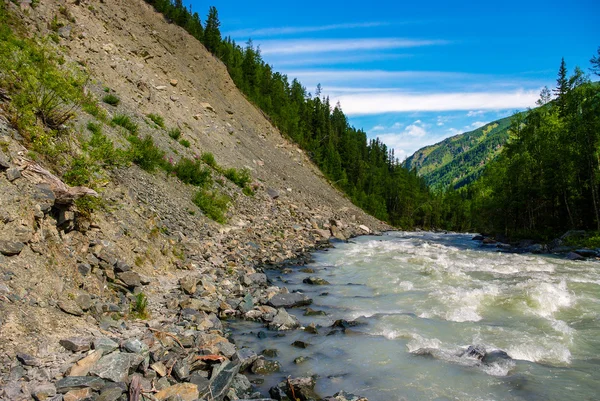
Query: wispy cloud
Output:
(378,103)
(473,113)
(293,30)
(475,125)
(306,46)
(321,60)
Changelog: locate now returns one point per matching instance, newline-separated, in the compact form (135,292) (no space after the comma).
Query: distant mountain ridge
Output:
(459,160)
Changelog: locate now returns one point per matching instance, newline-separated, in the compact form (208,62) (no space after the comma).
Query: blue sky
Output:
(414,73)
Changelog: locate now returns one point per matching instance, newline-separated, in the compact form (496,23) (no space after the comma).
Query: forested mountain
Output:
(459,160)
(366,170)
(546,180)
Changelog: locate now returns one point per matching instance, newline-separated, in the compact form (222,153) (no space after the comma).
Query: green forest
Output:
(545,179)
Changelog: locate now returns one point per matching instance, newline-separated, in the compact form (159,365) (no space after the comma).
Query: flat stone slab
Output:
(289,300)
(76,344)
(78,382)
(113,367)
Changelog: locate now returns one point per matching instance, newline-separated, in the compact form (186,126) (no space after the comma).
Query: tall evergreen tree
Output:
(212,34)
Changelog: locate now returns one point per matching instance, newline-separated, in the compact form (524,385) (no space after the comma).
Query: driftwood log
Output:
(64,194)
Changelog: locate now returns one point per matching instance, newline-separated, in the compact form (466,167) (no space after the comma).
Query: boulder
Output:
(13,174)
(343,396)
(587,253)
(70,307)
(43,391)
(477,238)
(27,360)
(273,193)
(245,356)
(289,300)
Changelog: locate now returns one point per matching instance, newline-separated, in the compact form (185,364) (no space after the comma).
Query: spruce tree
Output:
(212,34)
(562,84)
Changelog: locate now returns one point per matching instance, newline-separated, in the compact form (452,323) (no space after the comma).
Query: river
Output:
(422,299)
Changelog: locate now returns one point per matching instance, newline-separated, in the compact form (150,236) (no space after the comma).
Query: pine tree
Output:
(595,61)
(562,85)
(212,34)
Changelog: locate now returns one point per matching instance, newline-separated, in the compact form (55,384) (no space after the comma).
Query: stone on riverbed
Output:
(284,321)
(315,281)
(264,367)
(303,390)
(343,396)
(289,300)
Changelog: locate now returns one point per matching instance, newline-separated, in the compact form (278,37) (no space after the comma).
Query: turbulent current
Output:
(421,299)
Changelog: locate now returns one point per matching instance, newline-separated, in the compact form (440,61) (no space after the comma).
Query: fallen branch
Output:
(173,336)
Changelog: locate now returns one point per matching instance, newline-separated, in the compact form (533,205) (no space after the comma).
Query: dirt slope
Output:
(66,281)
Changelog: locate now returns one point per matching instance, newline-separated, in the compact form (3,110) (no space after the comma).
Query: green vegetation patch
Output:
(125,122)
(111,99)
(213,204)
(156,119)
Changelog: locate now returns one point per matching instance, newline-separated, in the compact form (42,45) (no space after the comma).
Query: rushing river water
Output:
(423,298)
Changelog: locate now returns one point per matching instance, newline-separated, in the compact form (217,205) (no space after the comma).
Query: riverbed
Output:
(419,300)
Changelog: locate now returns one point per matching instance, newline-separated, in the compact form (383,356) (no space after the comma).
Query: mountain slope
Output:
(459,160)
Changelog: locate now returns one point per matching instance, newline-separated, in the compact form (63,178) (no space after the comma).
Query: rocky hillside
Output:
(460,159)
(126,298)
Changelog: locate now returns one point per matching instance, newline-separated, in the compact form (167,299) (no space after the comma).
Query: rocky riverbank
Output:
(564,246)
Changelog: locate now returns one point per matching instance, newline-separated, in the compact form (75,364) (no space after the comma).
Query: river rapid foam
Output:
(422,299)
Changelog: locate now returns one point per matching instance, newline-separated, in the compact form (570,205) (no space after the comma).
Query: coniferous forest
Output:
(545,181)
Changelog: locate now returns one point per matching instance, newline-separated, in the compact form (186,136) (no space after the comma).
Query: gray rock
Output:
(202,382)
(188,284)
(241,384)
(114,367)
(315,281)
(284,321)
(4,162)
(84,301)
(44,391)
(247,304)
(76,344)
(11,248)
(259,279)
(245,356)
(105,344)
(226,348)
(65,31)
(273,193)
(122,267)
(265,367)
(587,253)
(13,173)
(28,360)
(574,256)
(45,196)
(130,278)
(289,300)
(135,346)
(110,394)
(343,396)
(303,389)
(78,382)
(222,377)
(84,268)
(181,370)
(70,307)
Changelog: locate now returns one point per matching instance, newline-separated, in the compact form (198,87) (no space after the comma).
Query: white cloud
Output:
(473,113)
(304,46)
(377,128)
(285,60)
(415,130)
(291,30)
(378,103)
(397,125)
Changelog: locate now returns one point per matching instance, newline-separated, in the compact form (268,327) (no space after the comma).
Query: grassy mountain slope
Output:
(460,159)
